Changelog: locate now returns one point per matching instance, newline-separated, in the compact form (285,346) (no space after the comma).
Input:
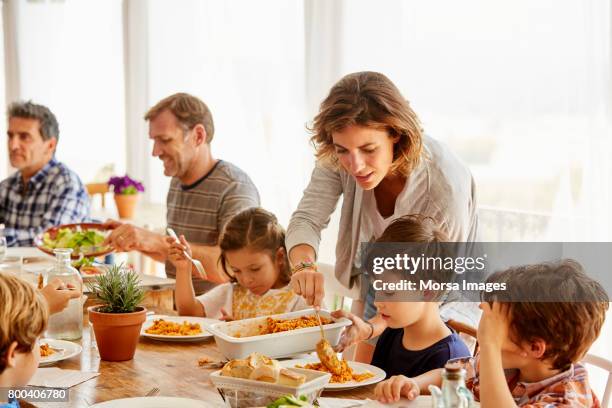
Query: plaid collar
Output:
(525,389)
(40,176)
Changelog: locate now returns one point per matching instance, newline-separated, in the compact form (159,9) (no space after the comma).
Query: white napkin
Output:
(57,377)
(340,402)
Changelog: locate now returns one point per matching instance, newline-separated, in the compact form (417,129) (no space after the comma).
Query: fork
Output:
(152,392)
(195,262)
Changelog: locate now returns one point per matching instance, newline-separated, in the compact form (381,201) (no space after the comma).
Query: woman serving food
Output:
(372,151)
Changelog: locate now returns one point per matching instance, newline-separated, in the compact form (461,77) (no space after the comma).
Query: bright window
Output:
(70,58)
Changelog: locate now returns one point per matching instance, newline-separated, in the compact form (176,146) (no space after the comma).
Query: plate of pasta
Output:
(176,328)
(52,351)
(354,374)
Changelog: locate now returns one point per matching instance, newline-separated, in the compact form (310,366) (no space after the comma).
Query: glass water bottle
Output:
(67,324)
(454,392)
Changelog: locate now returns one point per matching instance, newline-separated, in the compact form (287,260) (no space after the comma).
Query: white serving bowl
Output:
(240,392)
(274,345)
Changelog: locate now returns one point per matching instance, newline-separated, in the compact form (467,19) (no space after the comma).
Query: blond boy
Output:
(23,318)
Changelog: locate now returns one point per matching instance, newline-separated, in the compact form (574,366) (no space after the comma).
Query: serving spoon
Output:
(325,351)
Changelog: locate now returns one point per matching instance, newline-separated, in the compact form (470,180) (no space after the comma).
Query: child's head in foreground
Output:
(417,229)
(23,319)
(558,333)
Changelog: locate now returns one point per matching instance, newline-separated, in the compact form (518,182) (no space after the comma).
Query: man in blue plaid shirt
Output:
(43,192)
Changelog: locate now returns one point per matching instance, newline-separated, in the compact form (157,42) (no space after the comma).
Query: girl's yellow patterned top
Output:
(246,305)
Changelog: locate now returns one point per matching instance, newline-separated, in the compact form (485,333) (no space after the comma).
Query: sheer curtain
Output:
(68,55)
(520,90)
(246,61)
(591,186)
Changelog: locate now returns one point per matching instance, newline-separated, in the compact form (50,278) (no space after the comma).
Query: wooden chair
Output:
(462,328)
(607,366)
(94,189)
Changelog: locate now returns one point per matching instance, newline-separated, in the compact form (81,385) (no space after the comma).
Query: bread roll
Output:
(266,372)
(258,359)
(237,368)
(262,368)
(291,378)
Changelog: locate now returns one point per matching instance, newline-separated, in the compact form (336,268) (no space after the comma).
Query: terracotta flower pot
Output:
(117,333)
(126,204)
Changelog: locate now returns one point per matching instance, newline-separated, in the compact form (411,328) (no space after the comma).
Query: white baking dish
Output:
(273,345)
(240,392)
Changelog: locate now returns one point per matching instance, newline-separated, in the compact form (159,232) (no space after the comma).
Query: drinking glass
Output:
(3,247)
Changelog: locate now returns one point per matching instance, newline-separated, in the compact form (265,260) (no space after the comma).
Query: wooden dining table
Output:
(171,367)
(159,367)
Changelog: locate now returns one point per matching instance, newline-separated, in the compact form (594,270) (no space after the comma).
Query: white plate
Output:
(152,402)
(67,350)
(178,319)
(358,368)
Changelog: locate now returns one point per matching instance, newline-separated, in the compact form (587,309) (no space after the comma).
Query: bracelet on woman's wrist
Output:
(371,329)
(303,265)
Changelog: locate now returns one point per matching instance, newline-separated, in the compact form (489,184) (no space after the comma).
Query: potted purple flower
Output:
(126,192)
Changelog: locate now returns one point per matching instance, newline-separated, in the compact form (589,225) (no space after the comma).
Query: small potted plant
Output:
(117,321)
(126,192)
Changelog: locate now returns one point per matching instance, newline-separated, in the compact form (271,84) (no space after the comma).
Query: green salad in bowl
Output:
(290,401)
(67,238)
(84,239)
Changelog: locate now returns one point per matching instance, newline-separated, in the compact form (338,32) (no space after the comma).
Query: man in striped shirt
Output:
(43,192)
(204,193)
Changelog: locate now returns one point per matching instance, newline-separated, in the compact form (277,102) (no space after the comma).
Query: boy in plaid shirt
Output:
(529,351)
(43,192)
